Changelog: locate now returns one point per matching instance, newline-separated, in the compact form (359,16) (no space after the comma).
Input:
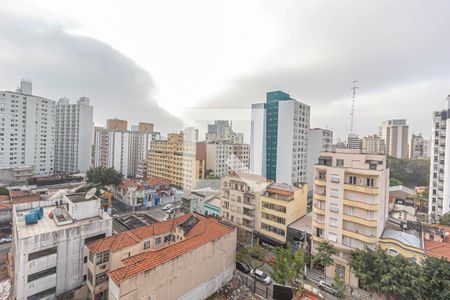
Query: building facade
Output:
(439,201)
(123,150)
(280,205)
(353,141)
(174,160)
(318,140)
(419,147)
(27,130)
(258,140)
(49,256)
(222,132)
(350,205)
(223,159)
(395,135)
(372,144)
(285,136)
(74,131)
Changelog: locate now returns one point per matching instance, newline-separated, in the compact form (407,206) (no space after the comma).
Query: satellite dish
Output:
(90,193)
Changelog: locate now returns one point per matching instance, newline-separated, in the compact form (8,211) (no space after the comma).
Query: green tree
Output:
(412,172)
(435,279)
(288,268)
(323,257)
(445,219)
(104,176)
(394,182)
(254,256)
(339,287)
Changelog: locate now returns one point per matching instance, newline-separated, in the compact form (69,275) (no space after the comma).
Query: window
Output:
(392,252)
(273,229)
(351,211)
(273,218)
(38,254)
(146,245)
(274,207)
(339,162)
(42,294)
(333,222)
(372,166)
(169,238)
(334,178)
(340,271)
(41,274)
(84,278)
(158,241)
(85,259)
(102,258)
(334,208)
(334,193)
(332,237)
(101,278)
(370,182)
(352,179)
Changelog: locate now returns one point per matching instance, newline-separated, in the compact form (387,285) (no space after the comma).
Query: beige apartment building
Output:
(350,204)
(372,144)
(280,205)
(158,261)
(239,197)
(225,158)
(117,124)
(175,160)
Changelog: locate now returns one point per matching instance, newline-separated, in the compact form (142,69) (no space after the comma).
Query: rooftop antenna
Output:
(352,111)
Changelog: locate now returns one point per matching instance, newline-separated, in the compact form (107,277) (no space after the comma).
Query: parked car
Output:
(170,211)
(326,286)
(243,267)
(5,240)
(167,206)
(262,276)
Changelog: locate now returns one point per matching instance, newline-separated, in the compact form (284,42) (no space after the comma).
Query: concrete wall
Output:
(258,140)
(210,264)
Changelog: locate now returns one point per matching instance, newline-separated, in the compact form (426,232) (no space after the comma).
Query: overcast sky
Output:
(178,63)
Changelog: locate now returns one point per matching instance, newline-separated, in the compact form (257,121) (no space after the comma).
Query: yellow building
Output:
(407,244)
(280,205)
(350,205)
(174,160)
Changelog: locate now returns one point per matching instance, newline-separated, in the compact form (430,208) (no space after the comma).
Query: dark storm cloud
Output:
(64,64)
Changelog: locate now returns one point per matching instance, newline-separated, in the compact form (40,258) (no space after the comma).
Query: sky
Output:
(184,63)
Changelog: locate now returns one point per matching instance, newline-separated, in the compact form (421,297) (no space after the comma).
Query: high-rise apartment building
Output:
(258,140)
(284,132)
(353,141)
(395,135)
(175,160)
(222,132)
(372,144)
(419,147)
(224,159)
(190,134)
(117,124)
(439,201)
(350,205)
(74,132)
(123,150)
(318,140)
(27,130)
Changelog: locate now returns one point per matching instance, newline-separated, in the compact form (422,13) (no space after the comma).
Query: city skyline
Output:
(394,78)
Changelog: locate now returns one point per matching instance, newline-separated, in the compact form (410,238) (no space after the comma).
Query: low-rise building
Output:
(48,247)
(158,261)
(212,207)
(130,193)
(16,175)
(408,244)
(280,205)
(195,200)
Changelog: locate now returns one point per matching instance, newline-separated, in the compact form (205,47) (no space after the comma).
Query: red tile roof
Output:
(205,231)
(437,249)
(23,197)
(131,237)
(126,183)
(157,181)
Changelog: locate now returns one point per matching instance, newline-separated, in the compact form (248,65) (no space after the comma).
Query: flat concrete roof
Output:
(45,225)
(303,224)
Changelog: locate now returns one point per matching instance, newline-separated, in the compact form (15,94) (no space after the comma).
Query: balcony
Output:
(361,189)
(365,222)
(318,224)
(361,204)
(41,284)
(41,263)
(318,210)
(359,236)
(320,182)
(319,197)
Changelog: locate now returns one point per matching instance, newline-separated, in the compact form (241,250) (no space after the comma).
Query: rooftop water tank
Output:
(38,211)
(31,218)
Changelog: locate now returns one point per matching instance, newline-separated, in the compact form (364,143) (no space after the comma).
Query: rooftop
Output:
(201,233)
(405,238)
(437,249)
(128,238)
(303,224)
(79,197)
(46,224)
(157,181)
(215,201)
(251,177)
(282,189)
